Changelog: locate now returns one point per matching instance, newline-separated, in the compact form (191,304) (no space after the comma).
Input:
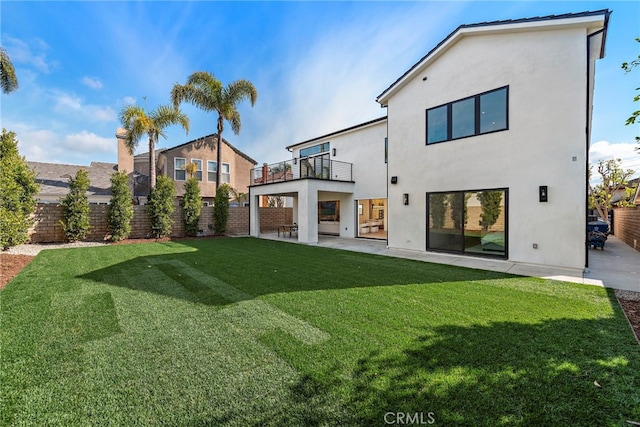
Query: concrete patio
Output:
(616,267)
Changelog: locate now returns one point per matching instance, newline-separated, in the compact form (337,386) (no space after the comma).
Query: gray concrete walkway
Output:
(617,267)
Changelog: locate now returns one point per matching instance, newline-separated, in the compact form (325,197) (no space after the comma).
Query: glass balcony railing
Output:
(318,167)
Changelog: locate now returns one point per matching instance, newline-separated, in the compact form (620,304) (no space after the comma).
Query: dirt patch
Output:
(11,265)
(632,309)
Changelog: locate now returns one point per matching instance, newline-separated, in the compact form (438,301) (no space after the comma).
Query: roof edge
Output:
(460,31)
(370,122)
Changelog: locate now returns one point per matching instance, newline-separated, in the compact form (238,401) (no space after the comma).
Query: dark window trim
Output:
(476,117)
(473,254)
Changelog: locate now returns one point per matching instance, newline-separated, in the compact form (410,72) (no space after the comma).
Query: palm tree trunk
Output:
(219,152)
(152,163)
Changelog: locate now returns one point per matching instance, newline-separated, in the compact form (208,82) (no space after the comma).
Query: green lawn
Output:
(255,332)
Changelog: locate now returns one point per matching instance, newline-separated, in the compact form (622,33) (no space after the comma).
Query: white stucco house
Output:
(483,152)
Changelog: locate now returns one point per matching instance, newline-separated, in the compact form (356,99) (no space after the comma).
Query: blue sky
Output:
(317,66)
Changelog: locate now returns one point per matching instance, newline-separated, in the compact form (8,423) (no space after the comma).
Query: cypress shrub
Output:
(161,206)
(221,209)
(191,206)
(75,207)
(121,207)
(18,189)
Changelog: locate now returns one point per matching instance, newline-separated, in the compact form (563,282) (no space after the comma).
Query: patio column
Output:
(308,213)
(254,215)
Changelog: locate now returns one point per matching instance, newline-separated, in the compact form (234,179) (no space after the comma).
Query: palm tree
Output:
(8,79)
(205,91)
(138,123)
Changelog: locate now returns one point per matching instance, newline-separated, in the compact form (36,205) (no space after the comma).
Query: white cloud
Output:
(89,142)
(40,145)
(92,82)
(625,151)
(66,103)
(128,100)
(22,53)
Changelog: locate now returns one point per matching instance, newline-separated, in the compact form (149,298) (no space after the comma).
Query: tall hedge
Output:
(75,207)
(121,207)
(18,189)
(161,206)
(191,206)
(221,209)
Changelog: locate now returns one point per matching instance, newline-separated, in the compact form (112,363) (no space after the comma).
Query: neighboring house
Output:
(54,180)
(627,192)
(172,162)
(487,154)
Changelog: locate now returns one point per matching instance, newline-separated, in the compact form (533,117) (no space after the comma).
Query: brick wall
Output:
(626,225)
(47,226)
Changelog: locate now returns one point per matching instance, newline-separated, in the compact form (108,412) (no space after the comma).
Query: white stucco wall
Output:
(544,145)
(363,147)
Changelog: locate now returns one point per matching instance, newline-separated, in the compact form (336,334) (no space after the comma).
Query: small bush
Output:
(75,207)
(17,191)
(161,206)
(221,209)
(121,207)
(191,206)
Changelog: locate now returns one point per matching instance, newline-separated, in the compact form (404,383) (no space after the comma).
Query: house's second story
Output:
(517,89)
(355,154)
(234,169)
(202,152)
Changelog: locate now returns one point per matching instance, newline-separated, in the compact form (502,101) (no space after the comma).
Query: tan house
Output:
(172,162)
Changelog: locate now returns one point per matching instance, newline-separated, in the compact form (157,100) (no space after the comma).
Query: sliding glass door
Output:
(468,222)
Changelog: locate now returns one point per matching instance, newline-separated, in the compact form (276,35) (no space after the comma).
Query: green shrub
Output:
(17,191)
(121,207)
(75,207)
(191,206)
(221,209)
(161,206)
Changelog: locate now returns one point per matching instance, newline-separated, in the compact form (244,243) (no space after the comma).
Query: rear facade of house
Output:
(485,147)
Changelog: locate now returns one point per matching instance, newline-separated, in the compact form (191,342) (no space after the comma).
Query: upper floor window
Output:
(225,172)
(197,173)
(475,115)
(179,169)
(316,149)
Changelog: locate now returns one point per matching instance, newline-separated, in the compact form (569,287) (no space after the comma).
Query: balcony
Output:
(319,167)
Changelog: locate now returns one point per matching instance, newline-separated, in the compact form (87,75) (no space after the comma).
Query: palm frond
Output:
(8,79)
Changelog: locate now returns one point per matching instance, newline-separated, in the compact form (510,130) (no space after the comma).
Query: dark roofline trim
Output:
(237,151)
(370,122)
(607,12)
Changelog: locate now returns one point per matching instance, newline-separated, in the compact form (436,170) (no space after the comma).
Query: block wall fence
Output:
(47,227)
(626,226)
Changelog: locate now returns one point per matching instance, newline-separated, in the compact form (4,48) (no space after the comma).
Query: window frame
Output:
(463,251)
(476,117)
(227,174)
(176,169)
(212,171)
(323,147)
(195,174)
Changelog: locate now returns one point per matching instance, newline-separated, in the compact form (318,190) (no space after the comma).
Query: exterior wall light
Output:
(394,179)
(543,193)
(405,199)
(334,151)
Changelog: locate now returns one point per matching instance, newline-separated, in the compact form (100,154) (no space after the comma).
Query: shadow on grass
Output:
(224,271)
(558,372)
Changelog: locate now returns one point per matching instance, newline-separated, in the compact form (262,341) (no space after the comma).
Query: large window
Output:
(476,115)
(197,173)
(179,169)
(225,172)
(469,222)
(316,149)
